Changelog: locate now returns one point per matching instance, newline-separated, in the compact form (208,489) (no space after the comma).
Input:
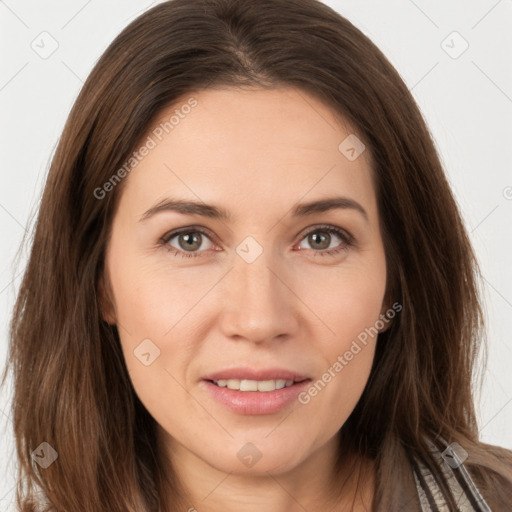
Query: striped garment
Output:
(463,488)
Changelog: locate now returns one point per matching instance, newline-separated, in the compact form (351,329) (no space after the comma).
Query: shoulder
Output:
(480,480)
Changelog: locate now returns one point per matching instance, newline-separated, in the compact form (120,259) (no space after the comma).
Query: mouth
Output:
(262,386)
(254,397)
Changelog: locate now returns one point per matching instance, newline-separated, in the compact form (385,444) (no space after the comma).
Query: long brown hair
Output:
(71,386)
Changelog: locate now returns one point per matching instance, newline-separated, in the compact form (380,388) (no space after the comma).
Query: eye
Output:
(188,241)
(322,236)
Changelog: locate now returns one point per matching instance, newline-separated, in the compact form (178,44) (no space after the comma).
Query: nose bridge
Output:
(257,302)
(255,279)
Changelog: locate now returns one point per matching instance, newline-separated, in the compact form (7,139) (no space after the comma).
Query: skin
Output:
(255,153)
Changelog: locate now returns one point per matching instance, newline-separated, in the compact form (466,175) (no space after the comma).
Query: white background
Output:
(467,102)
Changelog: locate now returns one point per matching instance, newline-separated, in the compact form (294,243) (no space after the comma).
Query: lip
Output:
(248,373)
(255,402)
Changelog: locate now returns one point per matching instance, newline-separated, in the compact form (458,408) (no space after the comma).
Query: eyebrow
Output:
(215,212)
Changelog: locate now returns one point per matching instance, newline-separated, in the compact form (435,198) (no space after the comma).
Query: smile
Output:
(253,385)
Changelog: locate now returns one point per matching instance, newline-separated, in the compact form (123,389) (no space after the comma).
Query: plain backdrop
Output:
(456,57)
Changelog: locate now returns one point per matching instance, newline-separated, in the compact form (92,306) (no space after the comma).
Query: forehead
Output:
(250,150)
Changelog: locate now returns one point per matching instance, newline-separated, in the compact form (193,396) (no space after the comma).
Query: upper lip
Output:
(246,373)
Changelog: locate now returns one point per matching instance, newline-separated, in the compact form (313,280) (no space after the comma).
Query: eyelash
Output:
(348,240)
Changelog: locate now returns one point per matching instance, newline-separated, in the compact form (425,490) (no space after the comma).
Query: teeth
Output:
(253,385)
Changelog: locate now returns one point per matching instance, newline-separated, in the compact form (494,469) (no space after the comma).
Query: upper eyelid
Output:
(188,229)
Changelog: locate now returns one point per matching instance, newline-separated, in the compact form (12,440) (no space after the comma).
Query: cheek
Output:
(151,312)
(349,305)
(347,357)
(151,299)
(347,300)
(159,311)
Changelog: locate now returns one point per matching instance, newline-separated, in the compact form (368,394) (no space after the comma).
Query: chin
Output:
(248,459)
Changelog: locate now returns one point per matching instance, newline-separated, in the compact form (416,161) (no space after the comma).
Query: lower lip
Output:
(256,402)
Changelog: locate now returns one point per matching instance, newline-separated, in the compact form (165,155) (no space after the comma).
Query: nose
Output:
(258,302)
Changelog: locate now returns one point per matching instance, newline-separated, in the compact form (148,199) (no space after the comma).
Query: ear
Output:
(106,304)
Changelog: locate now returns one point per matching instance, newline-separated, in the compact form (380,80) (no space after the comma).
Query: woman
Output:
(178,342)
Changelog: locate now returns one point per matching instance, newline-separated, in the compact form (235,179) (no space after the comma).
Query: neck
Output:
(319,483)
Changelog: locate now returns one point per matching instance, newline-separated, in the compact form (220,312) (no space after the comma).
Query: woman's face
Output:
(250,280)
